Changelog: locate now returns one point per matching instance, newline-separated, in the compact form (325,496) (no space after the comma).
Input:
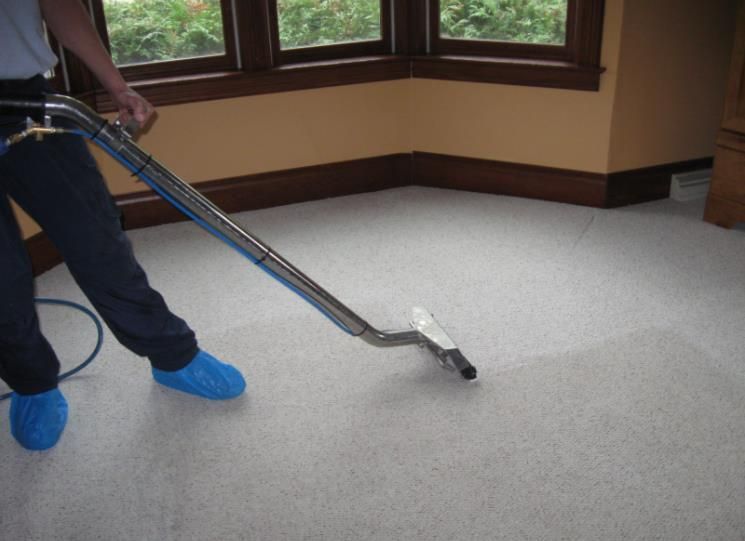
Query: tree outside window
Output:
(176,51)
(519,21)
(142,31)
(306,23)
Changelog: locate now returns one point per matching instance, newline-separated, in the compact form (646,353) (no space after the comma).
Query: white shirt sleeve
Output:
(24,51)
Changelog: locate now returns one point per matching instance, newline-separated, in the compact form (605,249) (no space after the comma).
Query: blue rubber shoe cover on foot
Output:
(37,420)
(204,376)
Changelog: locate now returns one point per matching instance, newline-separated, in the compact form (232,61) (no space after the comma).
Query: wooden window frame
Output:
(574,65)
(174,68)
(503,49)
(256,65)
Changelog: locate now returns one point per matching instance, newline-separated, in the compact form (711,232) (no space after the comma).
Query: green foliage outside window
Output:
(305,23)
(155,30)
(523,21)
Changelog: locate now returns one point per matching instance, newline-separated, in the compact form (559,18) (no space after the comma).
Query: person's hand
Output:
(132,106)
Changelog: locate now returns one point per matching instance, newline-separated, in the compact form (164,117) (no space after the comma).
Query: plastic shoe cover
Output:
(37,420)
(204,376)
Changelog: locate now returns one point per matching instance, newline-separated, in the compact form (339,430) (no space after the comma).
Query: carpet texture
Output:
(610,404)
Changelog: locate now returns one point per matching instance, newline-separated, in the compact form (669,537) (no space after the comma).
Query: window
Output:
(307,30)
(535,42)
(537,22)
(176,51)
(149,38)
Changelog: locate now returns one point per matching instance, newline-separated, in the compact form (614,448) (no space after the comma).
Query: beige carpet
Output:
(610,405)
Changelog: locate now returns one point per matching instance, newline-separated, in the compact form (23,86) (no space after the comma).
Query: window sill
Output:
(213,86)
(542,73)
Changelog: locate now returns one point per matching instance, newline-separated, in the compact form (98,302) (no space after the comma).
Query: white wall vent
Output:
(690,186)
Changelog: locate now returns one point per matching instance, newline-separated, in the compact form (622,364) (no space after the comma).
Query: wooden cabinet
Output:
(725,205)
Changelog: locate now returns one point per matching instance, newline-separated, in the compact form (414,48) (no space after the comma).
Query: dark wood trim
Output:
(574,65)
(339,51)
(172,68)
(253,35)
(281,79)
(507,178)
(275,188)
(588,32)
(263,190)
(402,12)
(563,185)
(416,28)
(145,209)
(464,47)
(648,183)
(508,71)
(404,51)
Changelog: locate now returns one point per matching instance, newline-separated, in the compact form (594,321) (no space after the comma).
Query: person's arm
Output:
(71,25)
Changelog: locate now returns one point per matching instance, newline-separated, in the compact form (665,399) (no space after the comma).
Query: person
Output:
(57,183)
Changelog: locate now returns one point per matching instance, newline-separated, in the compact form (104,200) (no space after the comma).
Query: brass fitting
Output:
(38,131)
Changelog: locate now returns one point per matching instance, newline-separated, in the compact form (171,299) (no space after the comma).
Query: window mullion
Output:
(81,81)
(99,21)
(410,23)
(589,18)
(254,34)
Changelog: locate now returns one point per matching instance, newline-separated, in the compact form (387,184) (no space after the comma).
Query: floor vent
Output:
(690,186)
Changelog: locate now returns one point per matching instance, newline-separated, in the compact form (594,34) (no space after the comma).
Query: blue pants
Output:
(57,183)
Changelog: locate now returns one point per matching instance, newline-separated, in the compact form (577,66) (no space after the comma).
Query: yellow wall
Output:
(225,138)
(538,126)
(660,101)
(234,137)
(674,64)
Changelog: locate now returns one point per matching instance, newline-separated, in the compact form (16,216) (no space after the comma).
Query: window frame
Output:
(258,66)
(576,65)
(178,67)
(492,48)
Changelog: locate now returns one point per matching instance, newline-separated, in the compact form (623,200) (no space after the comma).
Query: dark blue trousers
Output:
(57,183)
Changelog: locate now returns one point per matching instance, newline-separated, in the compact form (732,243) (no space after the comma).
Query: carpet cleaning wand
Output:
(117,142)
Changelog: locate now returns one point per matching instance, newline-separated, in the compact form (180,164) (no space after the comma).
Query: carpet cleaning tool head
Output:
(117,141)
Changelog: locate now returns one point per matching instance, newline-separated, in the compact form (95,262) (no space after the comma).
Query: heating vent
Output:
(689,186)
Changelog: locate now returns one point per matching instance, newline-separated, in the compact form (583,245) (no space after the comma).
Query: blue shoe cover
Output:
(37,420)
(204,376)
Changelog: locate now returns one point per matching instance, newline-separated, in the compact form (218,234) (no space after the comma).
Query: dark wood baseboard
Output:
(264,190)
(506,178)
(647,184)
(549,183)
(145,209)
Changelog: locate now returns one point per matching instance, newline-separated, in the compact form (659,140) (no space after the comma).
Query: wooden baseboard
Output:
(145,209)
(276,188)
(506,178)
(647,184)
(550,183)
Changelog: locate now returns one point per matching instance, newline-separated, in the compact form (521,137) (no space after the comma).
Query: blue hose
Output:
(215,232)
(99,338)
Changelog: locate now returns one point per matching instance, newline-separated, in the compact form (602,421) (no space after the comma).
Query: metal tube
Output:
(425,331)
(187,197)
